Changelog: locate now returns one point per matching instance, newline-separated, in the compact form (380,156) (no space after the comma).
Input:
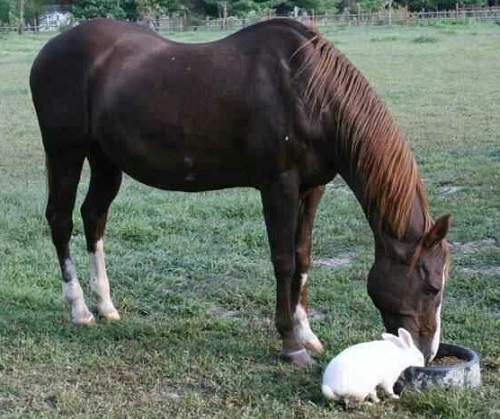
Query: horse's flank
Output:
(368,136)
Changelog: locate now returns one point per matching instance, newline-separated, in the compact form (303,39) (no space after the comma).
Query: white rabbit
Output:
(356,372)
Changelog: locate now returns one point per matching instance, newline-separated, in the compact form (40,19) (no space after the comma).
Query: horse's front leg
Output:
(309,202)
(280,205)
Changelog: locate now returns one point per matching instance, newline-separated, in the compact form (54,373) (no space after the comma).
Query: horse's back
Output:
(62,72)
(221,111)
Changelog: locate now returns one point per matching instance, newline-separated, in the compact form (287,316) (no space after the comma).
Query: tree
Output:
(159,7)
(310,5)
(19,12)
(32,10)
(124,9)
(88,9)
(4,11)
(130,8)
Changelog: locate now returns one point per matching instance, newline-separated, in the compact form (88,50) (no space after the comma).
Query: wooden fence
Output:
(385,17)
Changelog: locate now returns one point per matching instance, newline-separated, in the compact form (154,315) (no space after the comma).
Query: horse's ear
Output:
(437,232)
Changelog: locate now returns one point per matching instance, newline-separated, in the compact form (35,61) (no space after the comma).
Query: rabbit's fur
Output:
(356,372)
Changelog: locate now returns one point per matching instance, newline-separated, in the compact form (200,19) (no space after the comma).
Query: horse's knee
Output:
(303,257)
(284,267)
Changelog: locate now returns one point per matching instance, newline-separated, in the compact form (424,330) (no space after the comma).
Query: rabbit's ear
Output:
(391,338)
(405,338)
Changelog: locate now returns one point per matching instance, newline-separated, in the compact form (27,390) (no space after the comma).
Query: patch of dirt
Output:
(316,315)
(484,270)
(268,322)
(222,313)
(335,263)
(450,189)
(475,246)
(472,247)
(160,392)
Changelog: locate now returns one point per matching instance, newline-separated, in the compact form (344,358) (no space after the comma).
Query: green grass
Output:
(191,274)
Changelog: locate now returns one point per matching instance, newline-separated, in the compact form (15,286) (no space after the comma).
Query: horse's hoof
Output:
(112,316)
(86,320)
(314,346)
(107,311)
(299,358)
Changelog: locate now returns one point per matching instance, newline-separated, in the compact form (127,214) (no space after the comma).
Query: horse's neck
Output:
(383,236)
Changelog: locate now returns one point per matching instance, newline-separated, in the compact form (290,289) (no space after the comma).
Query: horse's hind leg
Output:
(63,173)
(105,180)
(307,212)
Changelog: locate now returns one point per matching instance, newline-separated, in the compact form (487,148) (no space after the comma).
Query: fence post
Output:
(20,28)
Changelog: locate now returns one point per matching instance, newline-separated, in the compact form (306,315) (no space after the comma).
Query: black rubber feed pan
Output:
(462,373)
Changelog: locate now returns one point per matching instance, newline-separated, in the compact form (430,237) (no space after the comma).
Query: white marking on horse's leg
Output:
(73,295)
(301,328)
(303,281)
(99,283)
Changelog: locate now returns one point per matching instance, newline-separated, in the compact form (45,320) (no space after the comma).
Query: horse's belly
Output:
(178,164)
(189,182)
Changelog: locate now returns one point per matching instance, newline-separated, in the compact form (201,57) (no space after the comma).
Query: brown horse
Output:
(274,107)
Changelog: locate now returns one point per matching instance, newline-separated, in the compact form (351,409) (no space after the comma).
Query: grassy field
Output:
(191,274)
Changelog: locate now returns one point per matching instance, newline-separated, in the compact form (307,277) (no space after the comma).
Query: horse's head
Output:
(406,284)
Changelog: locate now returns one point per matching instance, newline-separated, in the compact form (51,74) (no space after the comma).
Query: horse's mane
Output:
(368,135)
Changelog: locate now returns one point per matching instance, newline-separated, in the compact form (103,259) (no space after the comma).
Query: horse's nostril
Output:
(426,352)
(428,357)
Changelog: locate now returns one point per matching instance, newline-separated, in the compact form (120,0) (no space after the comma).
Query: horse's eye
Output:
(430,289)
(422,271)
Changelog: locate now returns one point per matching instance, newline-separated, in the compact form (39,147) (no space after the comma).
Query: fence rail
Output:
(386,17)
